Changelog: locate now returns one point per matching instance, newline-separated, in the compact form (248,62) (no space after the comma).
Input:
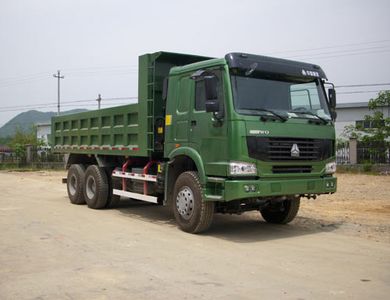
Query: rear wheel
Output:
(75,184)
(96,187)
(191,213)
(282,212)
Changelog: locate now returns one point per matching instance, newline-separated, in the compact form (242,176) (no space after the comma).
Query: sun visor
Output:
(250,65)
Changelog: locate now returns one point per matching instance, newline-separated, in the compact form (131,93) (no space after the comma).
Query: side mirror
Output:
(212,102)
(212,105)
(332,98)
(210,83)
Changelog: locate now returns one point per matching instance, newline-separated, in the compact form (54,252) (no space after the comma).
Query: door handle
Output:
(193,123)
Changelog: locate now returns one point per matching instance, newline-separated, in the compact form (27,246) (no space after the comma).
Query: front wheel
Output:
(192,214)
(282,212)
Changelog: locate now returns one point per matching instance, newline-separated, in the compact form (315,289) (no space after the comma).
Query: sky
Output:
(96,44)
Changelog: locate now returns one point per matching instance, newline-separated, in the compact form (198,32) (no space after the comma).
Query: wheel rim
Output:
(91,187)
(185,202)
(73,184)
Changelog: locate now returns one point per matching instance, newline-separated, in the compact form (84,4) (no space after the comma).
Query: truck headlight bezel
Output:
(330,168)
(239,168)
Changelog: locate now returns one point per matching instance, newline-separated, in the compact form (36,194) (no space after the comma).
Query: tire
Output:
(75,184)
(281,213)
(192,214)
(96,187)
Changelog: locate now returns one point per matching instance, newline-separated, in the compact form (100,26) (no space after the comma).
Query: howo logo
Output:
(261,132)
(294,150)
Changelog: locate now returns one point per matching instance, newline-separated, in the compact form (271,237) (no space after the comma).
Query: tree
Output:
(380,125)
(351,132)
(378,137)
(5,140)
(21,139)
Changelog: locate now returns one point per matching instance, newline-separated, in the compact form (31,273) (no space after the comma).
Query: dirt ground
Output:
(360,207)
(338,247)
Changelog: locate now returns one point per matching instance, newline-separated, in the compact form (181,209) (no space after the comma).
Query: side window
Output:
(305,95)
(200,94)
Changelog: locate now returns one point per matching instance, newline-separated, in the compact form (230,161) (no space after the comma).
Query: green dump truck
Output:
(208,135)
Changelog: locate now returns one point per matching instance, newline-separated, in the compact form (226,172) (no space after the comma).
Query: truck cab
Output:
(258,129)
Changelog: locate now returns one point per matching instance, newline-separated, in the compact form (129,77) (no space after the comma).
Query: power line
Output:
(341,55)
(64,103)
(82,69)
(346,51)
(114,99)
(71,101)
(27,76)
(23,81)
(330,47)
(361,92)
(361,85)
(11,81)
(72,70)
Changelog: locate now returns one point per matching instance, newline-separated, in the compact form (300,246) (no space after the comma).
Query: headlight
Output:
(330,168)
(242,168)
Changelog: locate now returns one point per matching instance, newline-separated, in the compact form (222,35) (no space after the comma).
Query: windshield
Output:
(296,99)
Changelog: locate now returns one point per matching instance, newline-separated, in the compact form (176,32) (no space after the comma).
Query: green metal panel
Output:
(124,130)
(235,189)
(112,131)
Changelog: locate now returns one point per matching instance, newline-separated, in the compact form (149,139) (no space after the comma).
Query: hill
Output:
(26,120)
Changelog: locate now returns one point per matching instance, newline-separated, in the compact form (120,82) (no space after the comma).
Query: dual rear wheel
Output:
(92,186)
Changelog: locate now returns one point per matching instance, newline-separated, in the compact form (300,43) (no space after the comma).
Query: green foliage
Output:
(21,139)
(379,131)
(367,167)
(351,132)
(380,126)
(377,139)
(341,143)
(5,140)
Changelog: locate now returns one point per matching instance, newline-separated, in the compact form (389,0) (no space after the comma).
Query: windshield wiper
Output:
(308,112)
(279,116)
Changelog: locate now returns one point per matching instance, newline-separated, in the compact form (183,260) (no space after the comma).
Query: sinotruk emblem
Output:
(294,150)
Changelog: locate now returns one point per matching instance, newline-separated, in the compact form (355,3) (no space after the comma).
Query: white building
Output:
(353,113)
(43,132)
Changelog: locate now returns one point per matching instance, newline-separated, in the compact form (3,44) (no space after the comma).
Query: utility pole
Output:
(58,76)
(99,99)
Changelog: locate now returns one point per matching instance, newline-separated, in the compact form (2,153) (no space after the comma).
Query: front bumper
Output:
(220,189)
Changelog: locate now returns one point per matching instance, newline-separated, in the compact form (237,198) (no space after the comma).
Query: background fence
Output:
(362,153)
(32,157)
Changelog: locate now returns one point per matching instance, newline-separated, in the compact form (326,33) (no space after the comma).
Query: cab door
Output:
(182,111)
(208,131)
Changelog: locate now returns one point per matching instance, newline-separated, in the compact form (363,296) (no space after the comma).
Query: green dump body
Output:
(127,130)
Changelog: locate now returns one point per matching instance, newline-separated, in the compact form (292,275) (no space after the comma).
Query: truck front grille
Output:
(291,169)
(289,149)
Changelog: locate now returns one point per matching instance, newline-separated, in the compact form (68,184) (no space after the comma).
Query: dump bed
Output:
(107,131)
(129,130)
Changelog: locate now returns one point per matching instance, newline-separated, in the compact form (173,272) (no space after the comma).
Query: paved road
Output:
(50,249)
